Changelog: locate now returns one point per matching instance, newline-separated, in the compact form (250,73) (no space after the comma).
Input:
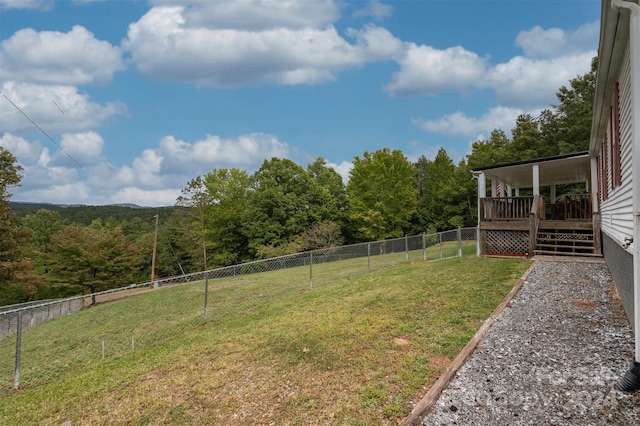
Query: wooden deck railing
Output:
(505,208)
(523,214)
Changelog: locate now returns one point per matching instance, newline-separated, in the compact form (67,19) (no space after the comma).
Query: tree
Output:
(563,129)
(85,258)
(196,200)
(490,152)
(321,235)
(526,141)
(228,190)
(431,212)
(568,128)
(18,281)
(332,202)
(43,224)
(282,203)
(382,194)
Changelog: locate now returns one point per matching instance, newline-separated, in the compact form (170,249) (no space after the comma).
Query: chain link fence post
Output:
(406,247)
(310,270)
(424,247)
(16,379)
(206,296)
(368,257)
(459,241)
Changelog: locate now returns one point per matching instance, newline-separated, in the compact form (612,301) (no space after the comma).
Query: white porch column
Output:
(593,185)
(508,190)
(494,187)
(536,180)
(482,185)
(482,193)
(517,192)
(553,194)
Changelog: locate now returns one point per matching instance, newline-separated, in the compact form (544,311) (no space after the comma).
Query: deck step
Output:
(555,240)
(555,253)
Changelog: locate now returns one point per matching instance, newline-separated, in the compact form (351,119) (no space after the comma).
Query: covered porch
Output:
(544,206)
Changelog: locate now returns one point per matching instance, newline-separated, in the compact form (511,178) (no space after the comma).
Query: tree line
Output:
(228,216)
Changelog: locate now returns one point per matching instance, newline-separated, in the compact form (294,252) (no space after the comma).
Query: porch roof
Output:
(561,169)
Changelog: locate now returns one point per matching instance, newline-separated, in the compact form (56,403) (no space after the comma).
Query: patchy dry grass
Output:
(357,352)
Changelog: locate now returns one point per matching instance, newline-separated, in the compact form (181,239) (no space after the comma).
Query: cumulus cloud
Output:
(244,151)
(56,108)
(527,81)
(554,42)
(79,148)
(343,169)
(376,10)
(255,15)
(425,70)
(551,58)
(26,4)
(459,124)
(38,171)
(52,57)
(155,177)
(169,43)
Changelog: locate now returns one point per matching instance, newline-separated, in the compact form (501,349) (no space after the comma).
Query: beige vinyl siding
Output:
(617,209)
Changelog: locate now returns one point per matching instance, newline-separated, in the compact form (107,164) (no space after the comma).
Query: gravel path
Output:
(552,357)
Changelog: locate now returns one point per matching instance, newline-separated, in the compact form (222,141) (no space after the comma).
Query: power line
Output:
(41,130)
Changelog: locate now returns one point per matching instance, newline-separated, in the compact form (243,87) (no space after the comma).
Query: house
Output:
(615,153)
(604,220)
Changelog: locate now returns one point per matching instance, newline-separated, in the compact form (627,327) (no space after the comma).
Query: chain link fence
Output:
(32,355)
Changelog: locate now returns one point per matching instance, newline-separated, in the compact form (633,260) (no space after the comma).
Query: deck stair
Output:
(565,238)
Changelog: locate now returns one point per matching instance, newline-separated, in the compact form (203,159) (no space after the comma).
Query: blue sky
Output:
(143,96)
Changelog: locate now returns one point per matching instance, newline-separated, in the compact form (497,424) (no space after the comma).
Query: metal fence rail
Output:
(224,296)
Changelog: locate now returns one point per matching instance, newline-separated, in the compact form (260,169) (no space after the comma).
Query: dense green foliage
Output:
(228,216)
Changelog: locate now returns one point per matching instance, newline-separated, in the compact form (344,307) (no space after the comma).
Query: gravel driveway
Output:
(552,357)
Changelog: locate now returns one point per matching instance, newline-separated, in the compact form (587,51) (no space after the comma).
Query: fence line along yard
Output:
(228,292)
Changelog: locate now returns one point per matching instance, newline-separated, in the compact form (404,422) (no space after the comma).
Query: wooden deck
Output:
(517,226)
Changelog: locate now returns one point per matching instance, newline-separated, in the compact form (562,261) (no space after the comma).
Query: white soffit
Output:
(558,171)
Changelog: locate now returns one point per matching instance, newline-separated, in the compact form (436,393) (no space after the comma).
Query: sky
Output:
(113,102)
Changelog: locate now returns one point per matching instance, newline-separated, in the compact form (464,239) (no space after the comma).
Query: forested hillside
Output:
(84,215)
(228,216)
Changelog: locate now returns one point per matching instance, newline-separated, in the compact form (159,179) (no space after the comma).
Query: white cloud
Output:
(459,124)
(27,4)
(52,57)
(245,151)
(21,148)
(145,197)
(526,81)
(255,15)
(82,148)
(551,58)
(555,42)
(376,10)
(166,44)
(155,177)
(70,193)
(55,108)
(38,172)
(425,70)
(343,169)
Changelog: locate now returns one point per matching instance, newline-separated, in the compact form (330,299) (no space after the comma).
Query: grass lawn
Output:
(358,351)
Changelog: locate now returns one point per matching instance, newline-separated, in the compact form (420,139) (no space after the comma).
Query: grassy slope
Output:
(354,352)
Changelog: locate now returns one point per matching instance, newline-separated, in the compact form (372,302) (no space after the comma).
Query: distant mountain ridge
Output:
(84,215)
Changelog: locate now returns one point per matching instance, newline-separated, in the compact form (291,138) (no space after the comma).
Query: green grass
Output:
(356,351)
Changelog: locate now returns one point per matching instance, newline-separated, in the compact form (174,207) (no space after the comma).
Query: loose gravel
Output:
(552,357)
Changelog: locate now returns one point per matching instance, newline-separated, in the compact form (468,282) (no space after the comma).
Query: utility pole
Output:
(153,258)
